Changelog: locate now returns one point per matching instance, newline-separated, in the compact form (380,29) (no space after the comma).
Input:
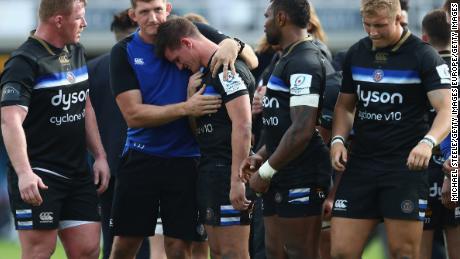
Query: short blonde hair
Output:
(371,7)
(48,8)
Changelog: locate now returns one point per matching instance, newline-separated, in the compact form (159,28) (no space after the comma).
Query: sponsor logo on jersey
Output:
(367,97)
(46,217)
(381,57)
(270,102)
(68,99)
(340,205)
(233,84)
(10,93)
(435,190)
(139,61)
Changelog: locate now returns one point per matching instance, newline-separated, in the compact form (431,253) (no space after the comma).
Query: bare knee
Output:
(84,250)
(38,252)
(339,252)
(125,247)
(177,249)
(404,251)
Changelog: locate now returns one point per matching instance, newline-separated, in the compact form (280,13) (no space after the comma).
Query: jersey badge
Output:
(70,77)
(233,84)
(378,75)
(300,84)
(407,206)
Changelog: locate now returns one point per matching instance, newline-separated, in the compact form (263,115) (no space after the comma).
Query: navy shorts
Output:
(66,198)
(144,184)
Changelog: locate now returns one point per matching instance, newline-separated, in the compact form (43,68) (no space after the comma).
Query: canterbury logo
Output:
(46,216)
(341,204)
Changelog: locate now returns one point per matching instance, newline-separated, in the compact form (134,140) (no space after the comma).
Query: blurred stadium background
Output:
(241,18)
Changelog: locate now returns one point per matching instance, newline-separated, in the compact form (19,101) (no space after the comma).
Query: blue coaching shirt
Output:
(135,66)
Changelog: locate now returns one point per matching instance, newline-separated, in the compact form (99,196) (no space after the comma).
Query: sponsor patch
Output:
(233,84)
(300,84)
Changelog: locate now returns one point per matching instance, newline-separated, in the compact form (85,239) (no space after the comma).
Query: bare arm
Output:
(420,155)
(139,115)
(239,111)
(101,168)
(296,138)
(342,123)
(227,54)
(14,138)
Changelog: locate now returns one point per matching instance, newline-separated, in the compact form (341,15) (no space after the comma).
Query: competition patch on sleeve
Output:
(233,84)
(444,74)
(300,84)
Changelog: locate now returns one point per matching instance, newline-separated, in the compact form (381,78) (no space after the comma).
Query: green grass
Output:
(11,250)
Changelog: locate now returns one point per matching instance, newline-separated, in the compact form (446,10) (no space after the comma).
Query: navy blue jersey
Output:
(52,84)
(214,130)
(391,86)
(297,79)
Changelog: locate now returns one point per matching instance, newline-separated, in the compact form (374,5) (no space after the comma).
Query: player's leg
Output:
(453,241)
(426,247)
(72,233)
(157,243)
(230,242)
(301,236)
(404,237)
(38,244)
(325,240)
(135,203)
(200,250)
(274,245)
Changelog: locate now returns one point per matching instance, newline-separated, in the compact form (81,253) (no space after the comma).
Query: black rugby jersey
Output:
(53,84)
(391,86)
(298,76)
(214,131)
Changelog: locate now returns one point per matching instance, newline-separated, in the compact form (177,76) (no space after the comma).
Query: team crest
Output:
(63,59)
(209,214)
(378,75)
(278,197)
(407,206)
(70,77)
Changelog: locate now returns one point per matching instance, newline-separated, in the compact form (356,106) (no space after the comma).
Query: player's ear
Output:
(58,19)
(281,18)
(132,14)
(168,7)
(186,42)
(398,19)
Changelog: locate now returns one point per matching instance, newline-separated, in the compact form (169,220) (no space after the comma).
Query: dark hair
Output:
(404,5)
(437,27)
(171,32)
(297,10)
(122,22)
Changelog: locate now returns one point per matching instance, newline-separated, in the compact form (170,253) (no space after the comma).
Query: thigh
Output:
(135,202)
(72,237)
(179,212)
(48,214)
(301,235)
(274,245)
(349,236)
(233,238)
(37,241)
(427,244)
(404,236)
(453,241)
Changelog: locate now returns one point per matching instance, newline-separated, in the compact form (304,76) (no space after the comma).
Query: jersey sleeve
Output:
(17,81)
(304,77)
(122,76)
(234,87)
(211,33)
(347,77)
(434,71)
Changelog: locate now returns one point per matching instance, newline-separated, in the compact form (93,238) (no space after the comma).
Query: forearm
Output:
(146,115)
(241,144)
(342,121)
(93,139)
(249,57)
(441,125)
(16,146)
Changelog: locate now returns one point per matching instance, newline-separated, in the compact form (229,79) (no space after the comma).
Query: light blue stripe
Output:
(276,84)
(387,76)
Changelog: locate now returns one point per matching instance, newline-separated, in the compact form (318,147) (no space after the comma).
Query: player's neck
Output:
(50,35)
(206,48)
(149,39)
(292,35)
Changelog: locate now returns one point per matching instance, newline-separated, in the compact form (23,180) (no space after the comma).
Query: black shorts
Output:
(437,216)
(214,204)
(146,182)
(293,202)
(65,199)
(371,194)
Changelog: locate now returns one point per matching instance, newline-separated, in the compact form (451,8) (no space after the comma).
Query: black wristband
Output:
(241,45)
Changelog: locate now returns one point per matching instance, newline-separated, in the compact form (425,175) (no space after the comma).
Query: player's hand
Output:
(238,195)
(327,207)
(199,104)
(225,56)
(445,195)
(101,173)
(29,185)
(257,105)
(194,82)
(249,166)
(419,157)
(339,157)
(258,184)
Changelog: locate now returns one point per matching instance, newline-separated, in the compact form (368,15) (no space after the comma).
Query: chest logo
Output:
(378,75)
(70,77)
(381,57)
(139,61)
